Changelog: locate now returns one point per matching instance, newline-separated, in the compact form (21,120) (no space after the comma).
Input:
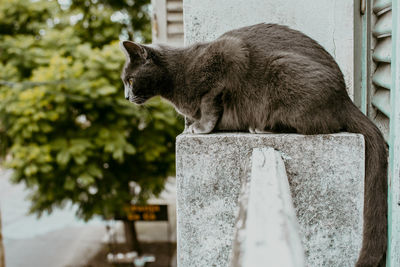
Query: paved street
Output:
(60,239)
(54,240)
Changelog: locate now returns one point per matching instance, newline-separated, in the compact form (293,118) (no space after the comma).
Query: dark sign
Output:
(147,212)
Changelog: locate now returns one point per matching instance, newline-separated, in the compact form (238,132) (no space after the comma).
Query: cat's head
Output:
(143,75)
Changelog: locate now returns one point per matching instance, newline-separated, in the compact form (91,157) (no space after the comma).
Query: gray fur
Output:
(262,78)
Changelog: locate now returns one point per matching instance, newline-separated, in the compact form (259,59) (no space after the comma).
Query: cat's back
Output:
(265,40)
(273,37)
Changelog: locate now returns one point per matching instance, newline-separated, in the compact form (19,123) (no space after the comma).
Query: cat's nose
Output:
(126,92)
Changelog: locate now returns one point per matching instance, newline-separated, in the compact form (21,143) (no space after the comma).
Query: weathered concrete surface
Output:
(266,231)
(325,172)
(331,23)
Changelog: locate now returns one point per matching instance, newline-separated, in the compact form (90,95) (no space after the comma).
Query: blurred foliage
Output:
(65,127)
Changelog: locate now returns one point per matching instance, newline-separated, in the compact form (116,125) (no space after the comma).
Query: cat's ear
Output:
(133,50)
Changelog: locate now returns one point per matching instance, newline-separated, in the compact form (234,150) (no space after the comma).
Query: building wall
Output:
(331,23)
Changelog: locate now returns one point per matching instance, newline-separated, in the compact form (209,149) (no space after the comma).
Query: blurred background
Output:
(75,155)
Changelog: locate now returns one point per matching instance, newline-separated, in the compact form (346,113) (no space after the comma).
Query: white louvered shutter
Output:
(381,77)
(167,21)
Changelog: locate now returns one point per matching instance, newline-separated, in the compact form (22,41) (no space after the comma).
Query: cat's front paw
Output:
(198,128)
(258,131)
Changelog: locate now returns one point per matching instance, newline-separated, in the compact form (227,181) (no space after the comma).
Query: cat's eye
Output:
(130,81)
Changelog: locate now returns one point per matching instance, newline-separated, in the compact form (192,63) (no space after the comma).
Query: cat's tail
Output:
(373,252)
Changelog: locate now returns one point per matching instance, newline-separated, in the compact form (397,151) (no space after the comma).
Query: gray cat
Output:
(261,78)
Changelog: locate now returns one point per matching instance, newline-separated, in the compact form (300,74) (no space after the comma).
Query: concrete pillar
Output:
(325,173)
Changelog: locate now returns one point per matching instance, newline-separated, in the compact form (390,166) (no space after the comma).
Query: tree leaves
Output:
(65,126)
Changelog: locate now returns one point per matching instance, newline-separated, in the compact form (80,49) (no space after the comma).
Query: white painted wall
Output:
(330,22)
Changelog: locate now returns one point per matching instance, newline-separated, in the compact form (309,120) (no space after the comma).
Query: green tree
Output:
(65,127)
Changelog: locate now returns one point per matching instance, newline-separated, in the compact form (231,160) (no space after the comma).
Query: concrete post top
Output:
(278,141)
(270,135)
